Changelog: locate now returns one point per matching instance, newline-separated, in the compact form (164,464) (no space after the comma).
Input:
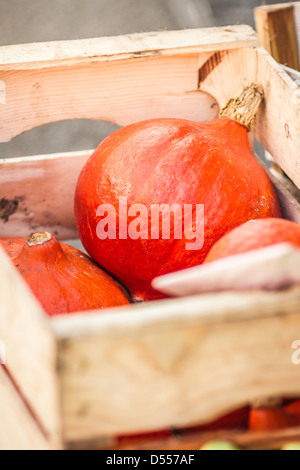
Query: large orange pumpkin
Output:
(62,278)
(169,161)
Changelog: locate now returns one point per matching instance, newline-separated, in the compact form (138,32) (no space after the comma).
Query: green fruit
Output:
(219,445)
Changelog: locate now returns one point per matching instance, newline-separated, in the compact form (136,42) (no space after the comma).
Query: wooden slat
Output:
(30,348)
(18,430)
(164,363)
(121,92)
(279,132)
(58,53)
(277,31)
(37,194)
(272,268)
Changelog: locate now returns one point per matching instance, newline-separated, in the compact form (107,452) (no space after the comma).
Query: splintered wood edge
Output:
(126,46)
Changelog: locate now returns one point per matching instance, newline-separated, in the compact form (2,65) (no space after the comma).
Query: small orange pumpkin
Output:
(253,235)
(62,278)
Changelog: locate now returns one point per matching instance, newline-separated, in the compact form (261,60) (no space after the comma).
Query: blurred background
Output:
(23,21)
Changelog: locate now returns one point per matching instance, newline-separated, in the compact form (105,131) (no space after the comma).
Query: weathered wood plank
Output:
(155,365)
(18,430)
(277,32)
(37,194)
(30,348)
(120,92)
(58,53)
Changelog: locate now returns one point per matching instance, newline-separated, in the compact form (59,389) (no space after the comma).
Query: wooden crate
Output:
(79,381)
(278,27)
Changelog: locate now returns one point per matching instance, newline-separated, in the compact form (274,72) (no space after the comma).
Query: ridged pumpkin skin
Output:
(170,161)
(63,279)
(253,235)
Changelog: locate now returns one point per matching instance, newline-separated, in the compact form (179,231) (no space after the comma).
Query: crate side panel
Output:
(120,92)
(277,31)
(37,194)
(18,430)
(30,347)
(140,373)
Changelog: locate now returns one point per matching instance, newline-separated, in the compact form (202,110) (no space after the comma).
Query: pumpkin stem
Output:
(42,248)
(244,107)
(39,239)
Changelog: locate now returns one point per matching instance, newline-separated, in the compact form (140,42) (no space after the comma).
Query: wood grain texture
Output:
(30,348)
(40,192)
(120,92)
(87,51)
(164,363)
(279,132)
(277,32)
(18,430)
